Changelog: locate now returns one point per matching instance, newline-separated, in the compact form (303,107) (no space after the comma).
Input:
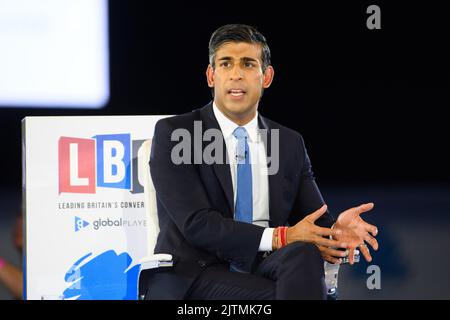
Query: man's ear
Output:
(268,77)
(210,76)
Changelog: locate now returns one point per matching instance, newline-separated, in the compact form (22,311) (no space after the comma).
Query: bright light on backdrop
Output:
(54,53)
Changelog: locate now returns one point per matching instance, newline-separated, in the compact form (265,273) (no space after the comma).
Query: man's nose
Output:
(236,73)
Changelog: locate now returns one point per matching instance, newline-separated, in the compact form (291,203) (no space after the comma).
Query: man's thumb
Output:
(318,213)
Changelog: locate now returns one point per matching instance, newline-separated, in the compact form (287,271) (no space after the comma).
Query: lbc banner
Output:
(85,222)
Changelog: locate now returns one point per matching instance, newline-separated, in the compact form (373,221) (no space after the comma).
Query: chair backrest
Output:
(149,194)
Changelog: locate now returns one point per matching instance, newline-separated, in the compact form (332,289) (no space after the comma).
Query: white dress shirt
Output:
(260,178)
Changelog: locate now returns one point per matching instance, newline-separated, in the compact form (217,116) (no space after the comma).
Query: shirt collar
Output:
(227,126)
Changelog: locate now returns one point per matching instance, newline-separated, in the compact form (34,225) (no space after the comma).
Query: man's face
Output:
(238,80)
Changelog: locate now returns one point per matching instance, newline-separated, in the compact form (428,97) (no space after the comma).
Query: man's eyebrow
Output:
(249,59)
(243,59)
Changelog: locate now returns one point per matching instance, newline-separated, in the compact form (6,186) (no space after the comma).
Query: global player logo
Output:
(101,161)
(80,224)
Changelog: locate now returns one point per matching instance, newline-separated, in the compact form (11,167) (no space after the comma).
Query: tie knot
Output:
(240,133)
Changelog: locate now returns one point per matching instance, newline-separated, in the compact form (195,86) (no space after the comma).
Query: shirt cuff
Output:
(266,240)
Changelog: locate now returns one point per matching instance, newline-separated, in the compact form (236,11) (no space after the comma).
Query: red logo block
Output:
(76,159)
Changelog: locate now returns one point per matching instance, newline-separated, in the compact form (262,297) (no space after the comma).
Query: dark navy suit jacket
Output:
(195,202)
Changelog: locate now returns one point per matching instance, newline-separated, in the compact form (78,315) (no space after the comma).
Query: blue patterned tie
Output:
(244,196)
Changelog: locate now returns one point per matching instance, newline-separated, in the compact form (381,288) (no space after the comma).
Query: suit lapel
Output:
(275,180)
(222,171)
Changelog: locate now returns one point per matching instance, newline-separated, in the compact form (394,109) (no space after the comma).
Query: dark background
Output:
(371,105)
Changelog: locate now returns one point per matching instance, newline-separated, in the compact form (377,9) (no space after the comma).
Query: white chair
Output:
(331,276)
(154,261)
(151,261)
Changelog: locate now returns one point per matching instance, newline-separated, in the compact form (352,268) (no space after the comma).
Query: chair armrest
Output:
(156,261)
(331,275)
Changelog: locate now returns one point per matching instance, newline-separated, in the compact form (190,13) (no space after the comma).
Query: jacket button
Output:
(202,263)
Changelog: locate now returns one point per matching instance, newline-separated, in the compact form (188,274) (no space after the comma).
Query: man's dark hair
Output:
(238,33)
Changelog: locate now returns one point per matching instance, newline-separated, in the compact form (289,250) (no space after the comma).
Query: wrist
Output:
(275,239)
(283,236)
(279,238)
(288,235)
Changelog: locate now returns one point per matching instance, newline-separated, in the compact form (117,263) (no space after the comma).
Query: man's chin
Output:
(239,111)
(238,107)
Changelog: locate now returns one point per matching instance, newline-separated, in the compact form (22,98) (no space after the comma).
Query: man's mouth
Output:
(236,92)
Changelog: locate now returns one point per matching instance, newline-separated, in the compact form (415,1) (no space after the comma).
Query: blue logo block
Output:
(114,161)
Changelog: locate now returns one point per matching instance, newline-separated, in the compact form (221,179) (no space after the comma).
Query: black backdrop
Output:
(370,103)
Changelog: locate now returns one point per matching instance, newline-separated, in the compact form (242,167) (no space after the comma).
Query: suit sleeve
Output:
(308,198)
(181,192)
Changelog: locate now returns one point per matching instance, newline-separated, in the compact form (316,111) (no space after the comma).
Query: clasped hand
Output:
(349,232)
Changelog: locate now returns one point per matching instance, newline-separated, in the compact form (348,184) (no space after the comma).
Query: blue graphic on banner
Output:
(105,277)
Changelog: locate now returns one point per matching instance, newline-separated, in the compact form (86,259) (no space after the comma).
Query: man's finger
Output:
(329,243)
(332,260)
(351,256)
(372,229)
(360,209)
(326,256)
(316,214)
(326,231)
(335,253)
(365,252)
(372,241)
(365,207)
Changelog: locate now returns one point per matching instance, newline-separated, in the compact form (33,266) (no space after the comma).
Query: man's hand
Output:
(355,231)
(332,255)
(307,231)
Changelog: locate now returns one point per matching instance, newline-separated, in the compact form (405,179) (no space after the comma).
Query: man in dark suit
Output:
(238,206)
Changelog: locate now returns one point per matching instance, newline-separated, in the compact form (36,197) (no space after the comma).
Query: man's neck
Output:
(239,119)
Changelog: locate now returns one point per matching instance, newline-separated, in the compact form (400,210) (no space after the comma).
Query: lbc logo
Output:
(103,161)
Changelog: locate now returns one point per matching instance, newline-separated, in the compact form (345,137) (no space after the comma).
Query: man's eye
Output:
(225,64)
(249,65)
